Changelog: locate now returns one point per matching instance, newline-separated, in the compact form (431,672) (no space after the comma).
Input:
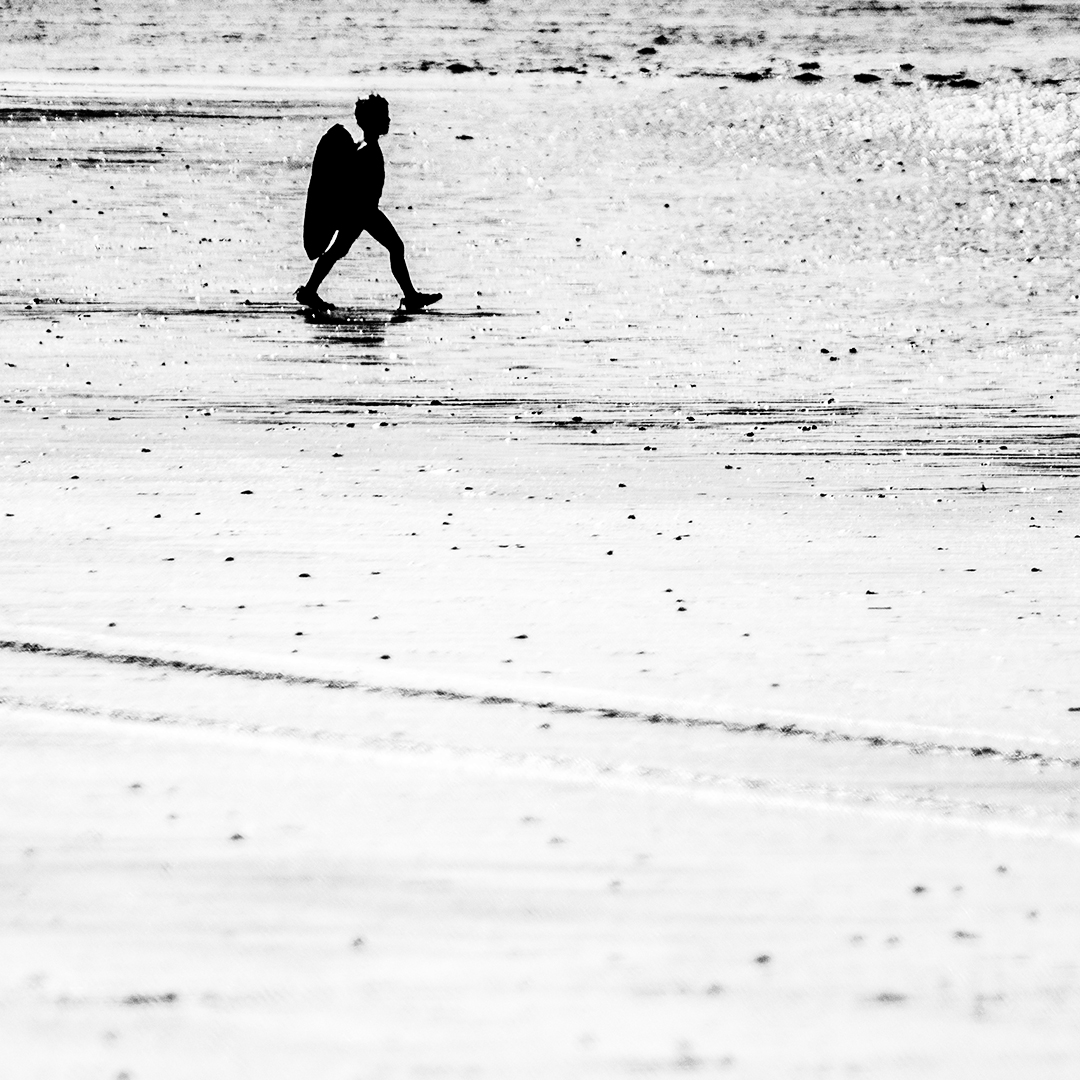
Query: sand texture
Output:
(658,658)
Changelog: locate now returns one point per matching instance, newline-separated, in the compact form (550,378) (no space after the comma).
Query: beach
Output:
(658,657)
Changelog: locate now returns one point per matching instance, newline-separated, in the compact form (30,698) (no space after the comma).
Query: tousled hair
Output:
(369,106)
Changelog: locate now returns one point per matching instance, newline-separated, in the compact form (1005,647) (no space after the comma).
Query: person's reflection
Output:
(355,338)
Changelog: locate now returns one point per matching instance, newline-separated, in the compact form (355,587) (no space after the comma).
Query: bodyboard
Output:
(327,189)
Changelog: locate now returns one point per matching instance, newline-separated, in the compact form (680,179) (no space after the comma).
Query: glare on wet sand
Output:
(665,642)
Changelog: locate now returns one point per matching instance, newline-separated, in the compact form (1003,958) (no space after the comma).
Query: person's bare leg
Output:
(382,229)
(309,294)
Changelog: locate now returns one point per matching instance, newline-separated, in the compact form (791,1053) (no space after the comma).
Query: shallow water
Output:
(878,261)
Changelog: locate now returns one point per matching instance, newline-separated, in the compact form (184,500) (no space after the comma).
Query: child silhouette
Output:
(357,210)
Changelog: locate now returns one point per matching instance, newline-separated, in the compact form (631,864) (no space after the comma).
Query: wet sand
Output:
(659,657)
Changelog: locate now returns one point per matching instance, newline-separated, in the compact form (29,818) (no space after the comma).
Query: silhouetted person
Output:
(356,207)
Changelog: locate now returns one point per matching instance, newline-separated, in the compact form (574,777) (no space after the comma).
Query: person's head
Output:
(373,115)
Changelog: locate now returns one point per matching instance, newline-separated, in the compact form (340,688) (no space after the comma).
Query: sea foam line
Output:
(735,727)
(1022,822)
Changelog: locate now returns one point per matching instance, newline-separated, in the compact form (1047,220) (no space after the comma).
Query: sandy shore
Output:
(201,897)
(660,658)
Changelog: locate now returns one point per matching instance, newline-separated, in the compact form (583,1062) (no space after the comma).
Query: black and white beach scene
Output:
(539,540)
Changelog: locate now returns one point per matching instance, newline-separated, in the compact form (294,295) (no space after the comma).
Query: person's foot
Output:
(310,298)
(419,301)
